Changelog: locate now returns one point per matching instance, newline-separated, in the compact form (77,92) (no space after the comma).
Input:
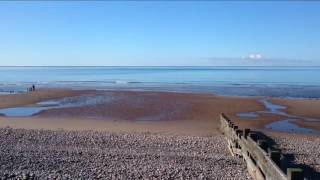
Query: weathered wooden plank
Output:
(263,162)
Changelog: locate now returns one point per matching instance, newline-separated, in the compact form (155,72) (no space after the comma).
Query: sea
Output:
(289,82)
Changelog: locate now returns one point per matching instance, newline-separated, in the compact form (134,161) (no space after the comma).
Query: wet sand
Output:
(13,100)
(308,124)
(132,111)
(302,107)
(184,113)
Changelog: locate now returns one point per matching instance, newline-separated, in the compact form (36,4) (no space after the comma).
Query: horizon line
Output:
(159,66)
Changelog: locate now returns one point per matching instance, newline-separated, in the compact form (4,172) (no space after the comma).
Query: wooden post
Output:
(239,133)
(275,155)
(231,125)
(283,163)
(295,174)
(263,144)
(253,136)
(246,133)
(263,161)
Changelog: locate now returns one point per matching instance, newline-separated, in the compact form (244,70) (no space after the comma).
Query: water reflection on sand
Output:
(30,110)
(286,125)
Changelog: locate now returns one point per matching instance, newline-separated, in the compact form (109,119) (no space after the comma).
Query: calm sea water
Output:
(243,81)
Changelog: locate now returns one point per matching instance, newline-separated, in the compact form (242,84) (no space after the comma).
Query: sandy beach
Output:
(302,107)
(149,111)
(132,130)
(130,111)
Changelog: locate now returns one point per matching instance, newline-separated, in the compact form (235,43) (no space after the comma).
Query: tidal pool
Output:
(250,115)
(285,125)
(25,111)
(79,101)
(21,111)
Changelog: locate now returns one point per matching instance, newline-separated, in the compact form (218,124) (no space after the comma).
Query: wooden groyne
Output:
(264,161)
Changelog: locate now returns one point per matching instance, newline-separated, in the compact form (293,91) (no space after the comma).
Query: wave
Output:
(220,88)
(24,84)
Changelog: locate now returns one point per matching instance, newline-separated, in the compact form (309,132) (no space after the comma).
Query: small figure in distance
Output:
(32,88)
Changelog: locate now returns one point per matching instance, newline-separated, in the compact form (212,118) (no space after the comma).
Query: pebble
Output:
(306,153)
(45,154)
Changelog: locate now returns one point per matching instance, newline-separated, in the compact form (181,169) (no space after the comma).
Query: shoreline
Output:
(231,89)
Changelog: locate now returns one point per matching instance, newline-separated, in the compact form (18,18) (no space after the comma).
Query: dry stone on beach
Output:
(303,152)
(44,154)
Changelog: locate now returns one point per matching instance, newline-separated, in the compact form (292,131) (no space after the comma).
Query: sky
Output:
(160,33)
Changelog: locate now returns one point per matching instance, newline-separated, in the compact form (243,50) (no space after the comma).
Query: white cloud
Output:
(255,56)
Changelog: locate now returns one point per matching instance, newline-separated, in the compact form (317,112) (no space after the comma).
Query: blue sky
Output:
(160,33)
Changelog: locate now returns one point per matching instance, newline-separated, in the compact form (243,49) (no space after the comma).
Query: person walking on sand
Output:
(33,87)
